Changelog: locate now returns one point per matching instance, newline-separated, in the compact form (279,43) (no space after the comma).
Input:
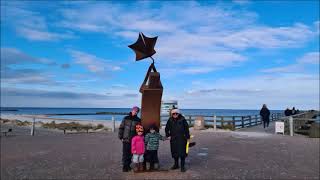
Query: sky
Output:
(210,54)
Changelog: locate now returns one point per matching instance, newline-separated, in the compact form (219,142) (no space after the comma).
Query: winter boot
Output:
(148,167)
(156,166)
(135,167)
(176,165)
(140,167)
(182,165)
(125,169)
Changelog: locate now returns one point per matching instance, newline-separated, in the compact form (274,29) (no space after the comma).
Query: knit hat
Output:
(139,128)
(175,111)
(135,108)
(153,126)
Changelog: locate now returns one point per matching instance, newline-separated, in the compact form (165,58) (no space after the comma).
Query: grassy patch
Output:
(4,121)
(71,126)
(22,123)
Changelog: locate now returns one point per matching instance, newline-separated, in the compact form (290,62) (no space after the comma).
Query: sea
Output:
(51,111)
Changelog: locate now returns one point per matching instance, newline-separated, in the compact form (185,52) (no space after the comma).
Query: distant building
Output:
(166,106)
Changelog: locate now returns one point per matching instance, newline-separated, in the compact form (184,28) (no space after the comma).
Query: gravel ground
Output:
(220,155)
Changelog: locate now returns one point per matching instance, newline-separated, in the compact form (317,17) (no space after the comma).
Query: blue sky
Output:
(211,54)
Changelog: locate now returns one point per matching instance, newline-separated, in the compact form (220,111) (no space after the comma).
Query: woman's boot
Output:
(176,165)
(182,165)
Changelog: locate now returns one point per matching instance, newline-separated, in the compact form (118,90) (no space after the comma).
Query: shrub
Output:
(24,123)
(100,126)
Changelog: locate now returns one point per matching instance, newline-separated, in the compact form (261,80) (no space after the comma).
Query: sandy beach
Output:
(46,119)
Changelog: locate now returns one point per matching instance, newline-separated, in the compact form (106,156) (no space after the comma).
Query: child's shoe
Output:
(148,168)
(156,166)
(135,167)
(140,165)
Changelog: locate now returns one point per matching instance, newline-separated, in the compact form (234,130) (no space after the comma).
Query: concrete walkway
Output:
(217,155)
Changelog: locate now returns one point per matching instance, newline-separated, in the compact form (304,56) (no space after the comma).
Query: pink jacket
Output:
(137,145)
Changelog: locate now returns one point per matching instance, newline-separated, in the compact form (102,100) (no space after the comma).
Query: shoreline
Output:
(46,119)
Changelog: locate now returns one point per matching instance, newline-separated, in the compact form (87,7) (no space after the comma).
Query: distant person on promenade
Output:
(287,112)
(127,131)
(293,111)
(265,113)
(177,130)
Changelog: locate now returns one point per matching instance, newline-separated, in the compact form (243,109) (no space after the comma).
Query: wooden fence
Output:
(230,122)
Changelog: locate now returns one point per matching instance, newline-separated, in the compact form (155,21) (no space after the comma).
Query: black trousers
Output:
(126,154)
(182,161)
(152,156)
(265,123)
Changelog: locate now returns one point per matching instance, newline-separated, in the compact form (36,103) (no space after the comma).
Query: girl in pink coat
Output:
(137,149)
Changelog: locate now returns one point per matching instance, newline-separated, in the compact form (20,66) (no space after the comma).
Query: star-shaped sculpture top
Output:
(144,46)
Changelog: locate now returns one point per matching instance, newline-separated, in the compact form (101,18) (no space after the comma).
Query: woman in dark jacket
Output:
(127,130)
(265,113)
(177,129)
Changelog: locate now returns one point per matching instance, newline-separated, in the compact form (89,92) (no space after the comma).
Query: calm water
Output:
(205,112)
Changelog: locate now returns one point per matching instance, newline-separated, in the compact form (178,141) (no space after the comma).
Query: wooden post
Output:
(222,122)
(291,125)
(113,124)
(250,121)
(256,119)
(189,121)
(215,123)
(233,123)
(33,126)
(242,121)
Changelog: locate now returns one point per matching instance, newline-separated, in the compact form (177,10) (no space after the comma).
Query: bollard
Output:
(33,126)
(291,125)
(215,123)
(113,124)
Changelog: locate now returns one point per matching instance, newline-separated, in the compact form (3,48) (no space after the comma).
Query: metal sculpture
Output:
(151,88)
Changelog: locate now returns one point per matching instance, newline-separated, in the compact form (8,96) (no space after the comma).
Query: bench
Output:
(5,132)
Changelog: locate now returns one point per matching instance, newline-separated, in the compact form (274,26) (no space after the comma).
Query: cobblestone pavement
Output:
(218,155)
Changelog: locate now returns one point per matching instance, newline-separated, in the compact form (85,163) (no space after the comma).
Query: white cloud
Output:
(277,91)
(212,36)
(29,23)
(42,35)
(92,63)
(300,65)
(310,58)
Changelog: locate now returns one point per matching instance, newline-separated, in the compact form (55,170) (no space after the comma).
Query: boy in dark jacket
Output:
(152,145)
(127,131)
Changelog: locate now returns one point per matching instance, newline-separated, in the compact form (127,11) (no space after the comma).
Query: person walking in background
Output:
(177,129)
(265,113)
(293,111)
(287,112)
(127,131)
(137,149)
